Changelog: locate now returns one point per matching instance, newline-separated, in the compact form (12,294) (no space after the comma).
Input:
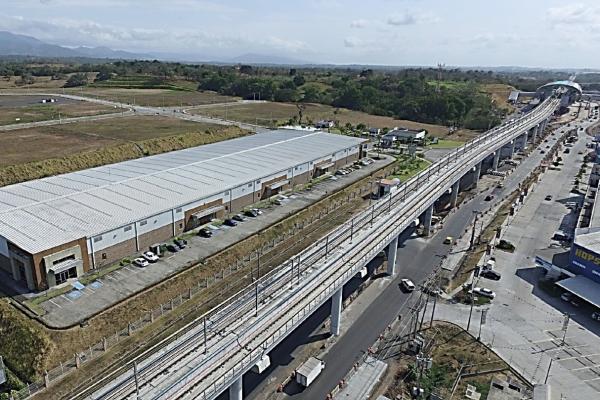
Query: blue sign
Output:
(585,262)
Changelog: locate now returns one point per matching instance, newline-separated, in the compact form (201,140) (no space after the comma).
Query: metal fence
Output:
(98,349)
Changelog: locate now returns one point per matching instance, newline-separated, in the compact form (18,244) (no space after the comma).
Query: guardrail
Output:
(369,226)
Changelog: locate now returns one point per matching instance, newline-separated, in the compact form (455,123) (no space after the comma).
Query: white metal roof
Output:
(45,213)
(583,287)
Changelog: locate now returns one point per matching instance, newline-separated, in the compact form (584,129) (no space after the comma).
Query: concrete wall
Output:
(39,268)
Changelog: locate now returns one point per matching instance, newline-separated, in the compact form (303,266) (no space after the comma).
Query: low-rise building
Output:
(403,135)
(57,228)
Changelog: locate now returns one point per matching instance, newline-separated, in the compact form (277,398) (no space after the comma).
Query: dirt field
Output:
(499,93)
(153,97)
(46,151)
(36,144)
(279,113)
(40,82)
(23,109)
(450,347)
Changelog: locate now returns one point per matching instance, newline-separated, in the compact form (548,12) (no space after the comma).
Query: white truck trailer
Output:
(309,371)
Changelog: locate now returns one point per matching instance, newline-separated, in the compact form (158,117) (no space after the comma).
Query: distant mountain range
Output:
(20,45)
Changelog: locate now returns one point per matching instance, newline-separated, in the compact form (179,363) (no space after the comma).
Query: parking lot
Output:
(524,323)
(70,308)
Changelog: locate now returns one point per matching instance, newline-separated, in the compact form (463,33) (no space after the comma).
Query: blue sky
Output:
(545,33)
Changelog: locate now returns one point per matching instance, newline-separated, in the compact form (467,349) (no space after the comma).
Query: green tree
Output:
(76,80)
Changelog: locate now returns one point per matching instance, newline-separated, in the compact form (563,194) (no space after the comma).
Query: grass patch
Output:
(29,158)
(406,167)
(45,112)
(446,144)
(24,346)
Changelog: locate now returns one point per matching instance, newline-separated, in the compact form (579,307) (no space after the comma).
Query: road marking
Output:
(65,296)
(56,304)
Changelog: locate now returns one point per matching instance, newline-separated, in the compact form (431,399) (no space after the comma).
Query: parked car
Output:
(173,248)
(596,315)
(491,274)
(484,292)
(205,232)
(489,197)
(548,197)
(181,243)
(251,213)
(448,240)
(407,285)
(238,218)
(230,222)
(150,256)
(141,262)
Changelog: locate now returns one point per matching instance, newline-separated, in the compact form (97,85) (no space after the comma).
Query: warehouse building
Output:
(60,227)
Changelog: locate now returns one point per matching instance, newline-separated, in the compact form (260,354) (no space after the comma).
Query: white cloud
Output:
(410,18)
(70,32)
(359,23)
(573,14)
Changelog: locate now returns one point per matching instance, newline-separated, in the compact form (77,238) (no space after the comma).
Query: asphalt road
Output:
(416,259)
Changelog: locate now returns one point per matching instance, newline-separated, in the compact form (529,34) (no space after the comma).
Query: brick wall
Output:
(115,253)
(39,269)
(157,235)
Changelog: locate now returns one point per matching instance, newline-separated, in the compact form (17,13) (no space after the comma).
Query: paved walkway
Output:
(365,379)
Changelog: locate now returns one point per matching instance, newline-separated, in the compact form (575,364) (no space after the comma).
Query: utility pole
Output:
(258,265)
(473,231)
(472,302)
(548,371)
(567,317)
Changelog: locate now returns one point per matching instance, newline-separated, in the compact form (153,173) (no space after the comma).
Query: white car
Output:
(407,284)
(150,256)
(141,262)
(484,292)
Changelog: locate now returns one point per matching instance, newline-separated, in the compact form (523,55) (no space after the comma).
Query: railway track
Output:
(241,329)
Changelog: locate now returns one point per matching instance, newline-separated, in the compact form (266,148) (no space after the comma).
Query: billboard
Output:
(585,262)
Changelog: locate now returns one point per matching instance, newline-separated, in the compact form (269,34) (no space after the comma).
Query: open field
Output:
(454,353)
(23,109)
(40,82)
(152,97)
(44,151)
(279,113)
(499,93)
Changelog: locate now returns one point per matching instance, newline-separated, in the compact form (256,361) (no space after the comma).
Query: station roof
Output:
(570,84)
(582,287)
(41,214)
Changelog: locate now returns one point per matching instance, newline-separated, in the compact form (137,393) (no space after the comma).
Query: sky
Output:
(533,33)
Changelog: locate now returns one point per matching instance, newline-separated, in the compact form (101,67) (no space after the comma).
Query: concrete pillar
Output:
(525,138)
(336,311)
(454,194)
(512,151)
(536,130)
(391,258)
(496,159)
(427,220)
(476,174)
(235,390)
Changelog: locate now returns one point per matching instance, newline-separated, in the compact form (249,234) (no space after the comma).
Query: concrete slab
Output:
(363,381)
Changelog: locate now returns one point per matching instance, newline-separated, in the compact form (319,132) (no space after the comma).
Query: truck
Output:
(309,371)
